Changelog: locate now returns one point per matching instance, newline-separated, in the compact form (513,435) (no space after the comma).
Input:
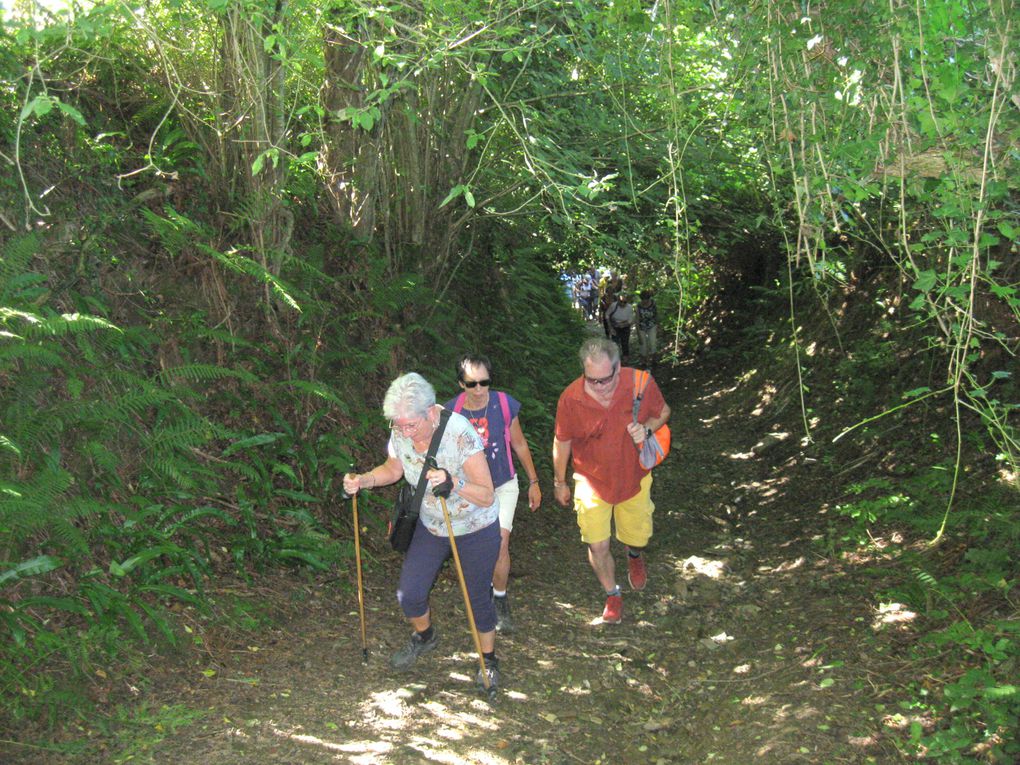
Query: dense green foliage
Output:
(226,224)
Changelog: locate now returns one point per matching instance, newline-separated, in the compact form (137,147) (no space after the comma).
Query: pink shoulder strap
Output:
(459,403)
(504,404)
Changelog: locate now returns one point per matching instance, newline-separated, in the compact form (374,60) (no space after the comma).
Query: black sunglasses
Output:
(472,383)
(603,380)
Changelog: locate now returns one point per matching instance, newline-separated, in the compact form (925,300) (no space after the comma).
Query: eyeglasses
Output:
(602,380)
(472,383)
(407,427)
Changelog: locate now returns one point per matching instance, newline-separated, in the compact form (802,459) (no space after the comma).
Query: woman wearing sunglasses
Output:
(495,416)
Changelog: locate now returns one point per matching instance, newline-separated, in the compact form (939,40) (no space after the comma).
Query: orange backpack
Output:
(656,445)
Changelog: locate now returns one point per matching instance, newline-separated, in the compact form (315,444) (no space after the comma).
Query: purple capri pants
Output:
(477,551)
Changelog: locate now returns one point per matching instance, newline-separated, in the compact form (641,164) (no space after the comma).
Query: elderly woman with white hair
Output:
(410,406)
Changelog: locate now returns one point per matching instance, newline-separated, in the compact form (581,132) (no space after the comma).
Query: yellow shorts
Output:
(633,516)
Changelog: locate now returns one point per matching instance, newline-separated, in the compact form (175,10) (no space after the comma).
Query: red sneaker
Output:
(636,574)
(613,612)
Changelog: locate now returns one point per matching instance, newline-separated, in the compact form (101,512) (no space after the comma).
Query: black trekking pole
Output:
(357,563)
(443,491)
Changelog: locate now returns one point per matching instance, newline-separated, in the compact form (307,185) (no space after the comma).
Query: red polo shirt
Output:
(600,446)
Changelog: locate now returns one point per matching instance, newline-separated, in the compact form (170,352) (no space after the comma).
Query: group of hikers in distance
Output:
(476,490)
(605,299)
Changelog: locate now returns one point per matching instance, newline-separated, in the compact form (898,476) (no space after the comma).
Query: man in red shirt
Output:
(595,429)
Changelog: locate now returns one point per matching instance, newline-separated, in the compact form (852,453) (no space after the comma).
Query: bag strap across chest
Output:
(419,490)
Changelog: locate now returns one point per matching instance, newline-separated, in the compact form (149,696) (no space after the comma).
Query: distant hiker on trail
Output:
(595,430)
(585,296)
(494,415)
(621,319)
(607,299)
(647,326)
(410,406)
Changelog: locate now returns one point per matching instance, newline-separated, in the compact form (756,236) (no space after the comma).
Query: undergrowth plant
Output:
(117,490)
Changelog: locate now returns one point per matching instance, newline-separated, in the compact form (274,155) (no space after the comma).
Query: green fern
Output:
(17,257)
(186,517)
(926,579)
(7,444)
(303,267)
(40,355)
(68,324)
(317,389)
(41,564)
(197,373)
(235,261)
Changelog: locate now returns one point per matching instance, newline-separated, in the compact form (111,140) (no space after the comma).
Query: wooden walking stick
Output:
(460,578)
(357,563)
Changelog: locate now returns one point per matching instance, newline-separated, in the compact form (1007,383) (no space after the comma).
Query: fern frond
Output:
(29,514)
(259,439)
(321,390)
(8,445)
(313,560)
(17,256)
(14,315)
(223,336)
(202,373)
(86,507)
(177,232)
(37,430)
(70,605)
(246,470)
(39,355)
(302,266)
(190,516)
(925,578)
(179,435)
(139,559)
(69,324)
(101,456)
(253,207)
(245,265)
(168,591)
(183,473)
(156,617)
(41,564)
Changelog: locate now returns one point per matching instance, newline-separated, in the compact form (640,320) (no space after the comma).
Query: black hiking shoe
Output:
(408,655)
(492,670)
(503,621)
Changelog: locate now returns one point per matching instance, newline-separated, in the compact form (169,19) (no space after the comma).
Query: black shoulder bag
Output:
(408,504)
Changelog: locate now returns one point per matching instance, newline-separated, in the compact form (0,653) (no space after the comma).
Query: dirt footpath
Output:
(749,644)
